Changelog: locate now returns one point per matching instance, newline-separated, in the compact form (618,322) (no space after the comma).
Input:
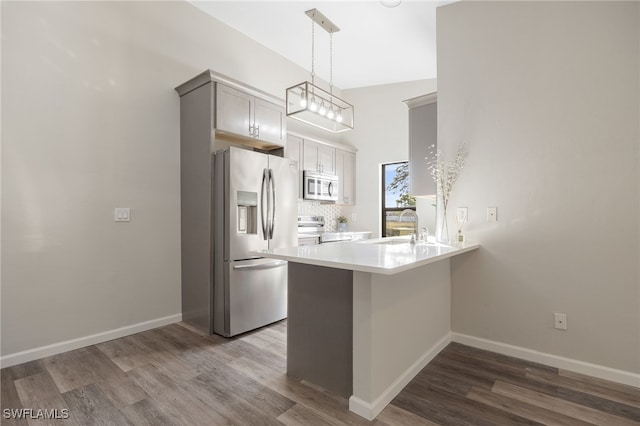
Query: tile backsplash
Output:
(316,208)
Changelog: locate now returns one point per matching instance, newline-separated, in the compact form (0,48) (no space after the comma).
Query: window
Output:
(395,199)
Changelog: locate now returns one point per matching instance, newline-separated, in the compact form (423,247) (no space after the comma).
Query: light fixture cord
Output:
(331,63)
(313,53)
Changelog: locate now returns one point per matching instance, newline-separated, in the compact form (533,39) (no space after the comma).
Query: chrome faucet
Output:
(414,235)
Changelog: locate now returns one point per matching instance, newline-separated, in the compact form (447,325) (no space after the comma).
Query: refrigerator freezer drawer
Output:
(256,292)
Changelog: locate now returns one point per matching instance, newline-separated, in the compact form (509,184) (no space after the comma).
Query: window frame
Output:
(383,208)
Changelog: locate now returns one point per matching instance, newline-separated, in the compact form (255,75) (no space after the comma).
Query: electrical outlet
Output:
(354,217)
(492,214)
(560,321)
(462,215)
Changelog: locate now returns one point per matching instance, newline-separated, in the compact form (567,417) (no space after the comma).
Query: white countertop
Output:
(347,232)
(392,256)
(332,237)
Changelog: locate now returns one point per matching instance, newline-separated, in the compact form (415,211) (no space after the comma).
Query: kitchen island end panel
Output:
(320,326)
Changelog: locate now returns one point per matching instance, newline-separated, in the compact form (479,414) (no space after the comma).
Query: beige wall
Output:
(547,97)
(381,135)
(90,121)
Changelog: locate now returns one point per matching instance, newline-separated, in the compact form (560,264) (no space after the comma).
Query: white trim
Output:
(593,370)
(418,101)
(337,145)
(81,342)
(370,410)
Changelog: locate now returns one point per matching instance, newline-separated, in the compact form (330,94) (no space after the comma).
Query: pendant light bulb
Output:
(313,106)
(323,110)
(330,114)
(339,117)
(303,99)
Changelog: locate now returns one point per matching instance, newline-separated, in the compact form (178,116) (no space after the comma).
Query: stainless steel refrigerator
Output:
(255,208)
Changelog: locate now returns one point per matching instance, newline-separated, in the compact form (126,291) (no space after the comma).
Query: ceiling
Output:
(375,44)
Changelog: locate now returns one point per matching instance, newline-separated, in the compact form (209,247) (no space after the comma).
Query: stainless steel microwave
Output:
(319,186)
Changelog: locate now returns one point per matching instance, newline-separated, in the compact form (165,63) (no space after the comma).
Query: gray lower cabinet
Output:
(423,132)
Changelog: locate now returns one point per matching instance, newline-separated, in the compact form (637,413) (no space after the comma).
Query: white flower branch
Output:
(445,173)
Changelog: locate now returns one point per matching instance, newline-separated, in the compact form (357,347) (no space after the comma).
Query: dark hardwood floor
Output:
(174,376)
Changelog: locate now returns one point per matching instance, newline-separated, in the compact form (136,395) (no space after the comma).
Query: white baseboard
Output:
(370,410)
(593,370)
(81,342)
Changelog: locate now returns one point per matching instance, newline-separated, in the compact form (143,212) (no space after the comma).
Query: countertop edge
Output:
(371,269)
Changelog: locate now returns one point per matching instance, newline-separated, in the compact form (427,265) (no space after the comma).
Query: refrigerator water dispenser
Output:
(247,212)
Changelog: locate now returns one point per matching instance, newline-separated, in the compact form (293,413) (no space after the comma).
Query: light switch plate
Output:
(492,214)
(122,214)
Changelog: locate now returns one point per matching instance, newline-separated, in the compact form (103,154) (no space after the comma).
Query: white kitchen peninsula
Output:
(365,317)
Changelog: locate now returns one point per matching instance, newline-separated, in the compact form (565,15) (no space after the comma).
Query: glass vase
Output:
(442,228)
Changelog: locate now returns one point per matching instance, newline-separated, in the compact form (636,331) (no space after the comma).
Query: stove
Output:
(310,230)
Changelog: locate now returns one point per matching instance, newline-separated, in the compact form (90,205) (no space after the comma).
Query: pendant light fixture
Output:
(309,103)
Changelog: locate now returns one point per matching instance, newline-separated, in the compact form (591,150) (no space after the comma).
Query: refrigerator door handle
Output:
(264,212)
(274,264)
(272,185)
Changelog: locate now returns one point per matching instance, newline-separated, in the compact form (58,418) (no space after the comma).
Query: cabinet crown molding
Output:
(337,145)
(209,76)
(418,101)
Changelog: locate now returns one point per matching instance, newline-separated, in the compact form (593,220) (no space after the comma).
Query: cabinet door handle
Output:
(257,135)
(264,211)
(250,129)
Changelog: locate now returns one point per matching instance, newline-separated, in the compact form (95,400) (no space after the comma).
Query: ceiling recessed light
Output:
(390,3)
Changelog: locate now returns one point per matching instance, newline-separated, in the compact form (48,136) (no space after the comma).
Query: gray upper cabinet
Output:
(269,120)
(240,114)
(246,115)
(234,111)
(325,158)
(293,151)
(319,157)
(423,126)
(346,171)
